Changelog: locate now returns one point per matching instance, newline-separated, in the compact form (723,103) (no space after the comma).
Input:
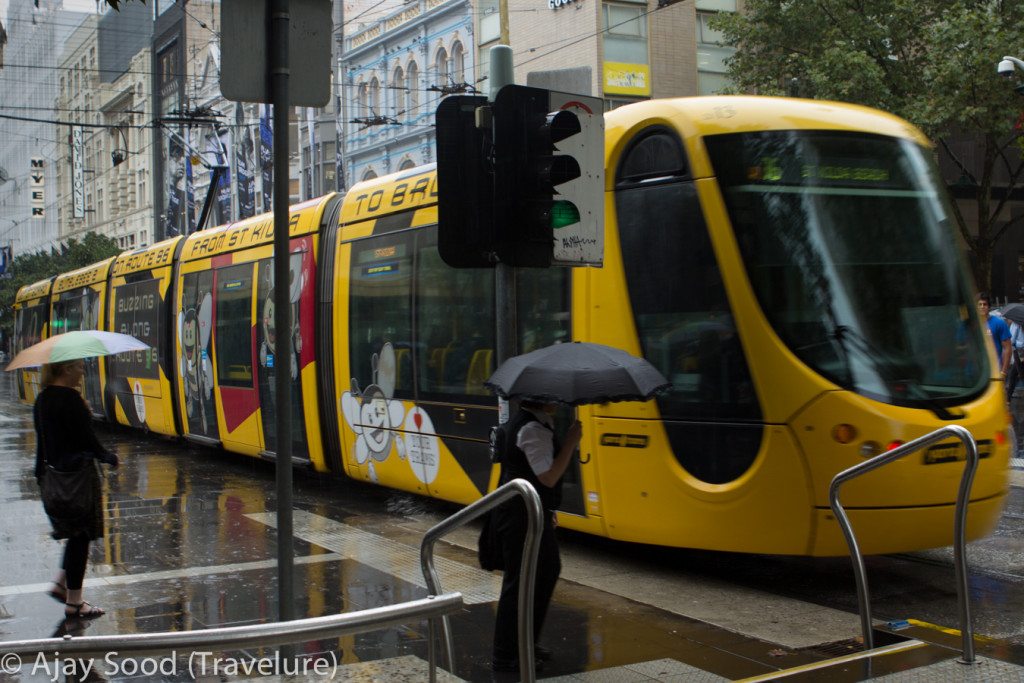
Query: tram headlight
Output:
(844,433)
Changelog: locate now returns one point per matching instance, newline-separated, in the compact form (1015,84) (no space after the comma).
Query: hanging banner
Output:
(245,164)
(77,174)
(267,156)
(5,263)
(37,187)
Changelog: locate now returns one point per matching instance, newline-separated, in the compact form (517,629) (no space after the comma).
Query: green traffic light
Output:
(564,213)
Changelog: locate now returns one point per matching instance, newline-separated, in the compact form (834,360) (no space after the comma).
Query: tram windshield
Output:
(848,245)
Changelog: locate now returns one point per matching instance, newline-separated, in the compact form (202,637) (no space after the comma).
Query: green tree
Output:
(29,268)
(931,62)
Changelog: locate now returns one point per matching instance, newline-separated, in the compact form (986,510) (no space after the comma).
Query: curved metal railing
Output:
(959,531)
(250,635)
(502,494)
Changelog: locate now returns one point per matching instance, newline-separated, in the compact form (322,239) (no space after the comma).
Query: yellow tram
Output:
(788,264)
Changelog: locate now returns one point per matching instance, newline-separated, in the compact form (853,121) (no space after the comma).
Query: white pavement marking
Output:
(128,579)
(391,557)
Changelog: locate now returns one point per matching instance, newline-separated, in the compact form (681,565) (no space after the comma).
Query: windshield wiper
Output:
(890,372)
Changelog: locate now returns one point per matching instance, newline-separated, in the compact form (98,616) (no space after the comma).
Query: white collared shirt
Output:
(537,441)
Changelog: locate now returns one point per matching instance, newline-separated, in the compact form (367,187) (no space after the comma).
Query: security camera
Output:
(1005,68)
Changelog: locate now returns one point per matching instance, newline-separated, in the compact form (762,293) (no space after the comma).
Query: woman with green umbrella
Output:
(67,450)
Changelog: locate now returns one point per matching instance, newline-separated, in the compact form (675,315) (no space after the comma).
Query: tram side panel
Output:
(31,326)
(78,302)
(414,340)
(139,390)
(226,341)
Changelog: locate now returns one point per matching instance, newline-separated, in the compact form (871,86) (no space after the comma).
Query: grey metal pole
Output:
(278,22)
(502,74)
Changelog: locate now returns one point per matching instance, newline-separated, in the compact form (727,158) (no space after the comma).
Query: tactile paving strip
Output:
(984,670)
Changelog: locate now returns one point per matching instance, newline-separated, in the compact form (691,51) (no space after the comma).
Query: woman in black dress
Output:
(65,442)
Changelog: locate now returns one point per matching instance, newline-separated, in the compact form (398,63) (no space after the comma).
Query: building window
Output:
(711,55)
(442,67)
(490,21)
(459,63)
(625,38)
(99,206)
(398,83)
(374,97)
(362,100)
(717,5)
(412,84)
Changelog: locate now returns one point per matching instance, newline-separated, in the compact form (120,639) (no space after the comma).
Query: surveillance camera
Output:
(1005,68)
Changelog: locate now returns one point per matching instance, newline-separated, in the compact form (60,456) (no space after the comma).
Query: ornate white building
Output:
(394,68)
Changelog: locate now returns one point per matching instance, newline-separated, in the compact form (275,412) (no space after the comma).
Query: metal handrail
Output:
(250,635)
(528,573)
(959,531)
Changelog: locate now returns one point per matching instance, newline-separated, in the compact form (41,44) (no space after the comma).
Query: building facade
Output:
(31,145)
(395,67)
(104,177)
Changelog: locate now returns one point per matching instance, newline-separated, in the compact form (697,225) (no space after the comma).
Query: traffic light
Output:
(465,184)
(548,177)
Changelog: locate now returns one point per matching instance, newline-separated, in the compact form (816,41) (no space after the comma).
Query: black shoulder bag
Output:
(67,494)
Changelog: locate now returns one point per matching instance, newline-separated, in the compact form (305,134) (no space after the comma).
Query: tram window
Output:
(30,322)
(234,340)
(682,314)
(454,327)
(379,313)
(67,314)
(542,307)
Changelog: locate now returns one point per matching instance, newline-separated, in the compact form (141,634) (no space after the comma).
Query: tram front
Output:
(848,246)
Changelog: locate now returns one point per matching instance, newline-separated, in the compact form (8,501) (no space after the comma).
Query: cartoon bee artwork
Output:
(379,421)
(194,327)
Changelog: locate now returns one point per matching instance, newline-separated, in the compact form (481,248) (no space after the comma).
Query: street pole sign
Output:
(245,52)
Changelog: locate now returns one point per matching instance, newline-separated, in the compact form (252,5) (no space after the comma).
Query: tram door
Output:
(269,362)
(234,349)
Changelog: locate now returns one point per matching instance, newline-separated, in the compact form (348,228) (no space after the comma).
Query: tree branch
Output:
(956,160)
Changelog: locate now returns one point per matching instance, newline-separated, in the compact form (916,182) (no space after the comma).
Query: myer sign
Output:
(77,174)
(36,187)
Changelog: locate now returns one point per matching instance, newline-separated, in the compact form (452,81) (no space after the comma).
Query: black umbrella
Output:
(577,373)
(1014,312)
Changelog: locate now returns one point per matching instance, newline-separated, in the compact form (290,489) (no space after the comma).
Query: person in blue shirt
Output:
(999,331)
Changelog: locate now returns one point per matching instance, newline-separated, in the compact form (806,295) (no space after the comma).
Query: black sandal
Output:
(59,592)
(83,610)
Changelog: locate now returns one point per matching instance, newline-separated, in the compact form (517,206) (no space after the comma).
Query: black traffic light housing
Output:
(465,184)
(528,168)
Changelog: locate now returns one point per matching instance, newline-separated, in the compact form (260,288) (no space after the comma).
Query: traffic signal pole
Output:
(504,274)
(278,21)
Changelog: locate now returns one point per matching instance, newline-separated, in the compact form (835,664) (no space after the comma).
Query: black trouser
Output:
(1013,376)
(511,531)
(76,554)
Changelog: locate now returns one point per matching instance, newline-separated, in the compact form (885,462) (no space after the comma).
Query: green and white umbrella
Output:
(75,345)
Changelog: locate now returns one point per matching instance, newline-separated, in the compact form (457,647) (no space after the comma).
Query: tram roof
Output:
(33,291)
(303,219)
(83,277)
(696,117)
(718,114)
(146,258)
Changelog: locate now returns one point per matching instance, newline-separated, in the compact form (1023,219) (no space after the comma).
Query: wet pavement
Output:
(191,545)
